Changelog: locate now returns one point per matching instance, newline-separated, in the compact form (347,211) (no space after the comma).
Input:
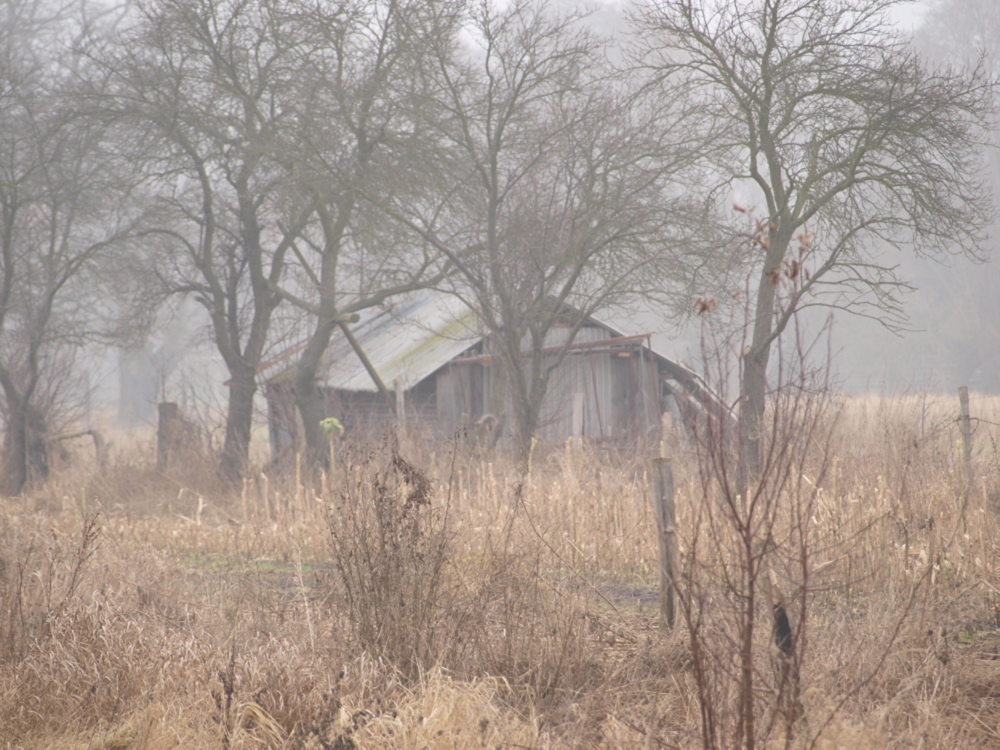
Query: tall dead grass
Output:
(143,610)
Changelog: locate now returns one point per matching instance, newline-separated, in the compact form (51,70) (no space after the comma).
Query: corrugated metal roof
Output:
(407,341)
(404,343)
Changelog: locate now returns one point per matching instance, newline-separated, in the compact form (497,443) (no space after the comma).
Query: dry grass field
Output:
(418,600)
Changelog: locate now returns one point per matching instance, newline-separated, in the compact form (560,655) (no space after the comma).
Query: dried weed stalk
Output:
(754,561)
(390,546)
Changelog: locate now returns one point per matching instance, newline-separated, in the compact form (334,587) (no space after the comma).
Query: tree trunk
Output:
(746,727)
(528,394)
(525,423)
(309,398)
(16,459)
(753,385)
(27,450)
(239,421)
(754,396)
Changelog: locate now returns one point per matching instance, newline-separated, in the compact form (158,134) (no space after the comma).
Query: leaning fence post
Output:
(965,427)
(168,430)
(663,485)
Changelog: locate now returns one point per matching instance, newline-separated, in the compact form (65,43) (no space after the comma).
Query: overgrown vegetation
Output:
(413,601)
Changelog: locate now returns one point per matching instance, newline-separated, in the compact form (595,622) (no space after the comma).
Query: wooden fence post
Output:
(965,426)
(400,393)
(167,431)
(663,483)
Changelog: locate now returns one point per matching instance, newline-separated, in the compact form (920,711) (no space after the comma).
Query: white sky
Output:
(908,15)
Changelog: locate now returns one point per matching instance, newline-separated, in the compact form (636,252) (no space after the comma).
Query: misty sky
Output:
(865,356)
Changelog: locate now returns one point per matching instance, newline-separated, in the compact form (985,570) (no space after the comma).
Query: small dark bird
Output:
(782,630)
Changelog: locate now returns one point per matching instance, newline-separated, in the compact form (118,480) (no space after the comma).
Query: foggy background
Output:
(952,336)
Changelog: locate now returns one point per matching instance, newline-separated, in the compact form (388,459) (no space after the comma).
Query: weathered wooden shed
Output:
(440,377)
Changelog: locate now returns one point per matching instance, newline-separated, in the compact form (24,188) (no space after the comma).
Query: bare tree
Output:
(755,567)
(63,208)
(554,196)
(846,138)
(204,87)
(358,93)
